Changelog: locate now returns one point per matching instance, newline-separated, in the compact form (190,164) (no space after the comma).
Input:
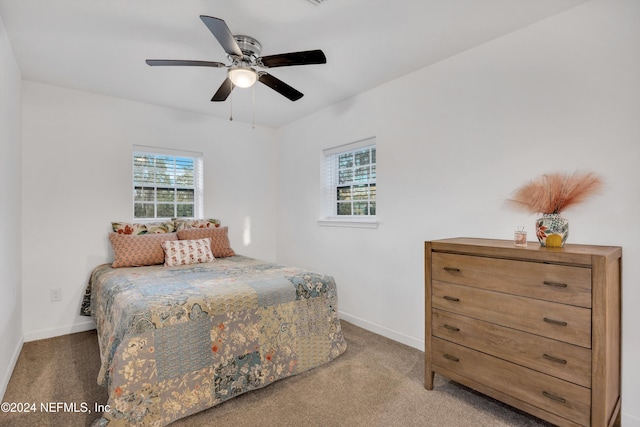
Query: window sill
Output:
(349,222)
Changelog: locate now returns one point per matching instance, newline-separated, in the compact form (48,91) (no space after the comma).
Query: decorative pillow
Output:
(138,250)
(184,252)
(143,228)
(183,224)
(220,246)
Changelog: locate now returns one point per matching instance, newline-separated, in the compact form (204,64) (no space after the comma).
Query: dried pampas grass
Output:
(553,193)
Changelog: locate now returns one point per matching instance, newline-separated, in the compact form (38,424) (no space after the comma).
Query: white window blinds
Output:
(349,180)
(166,183)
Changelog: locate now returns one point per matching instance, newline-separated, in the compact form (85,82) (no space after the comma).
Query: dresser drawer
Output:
(551,394)
(551,282)
(548,319)
(552,357)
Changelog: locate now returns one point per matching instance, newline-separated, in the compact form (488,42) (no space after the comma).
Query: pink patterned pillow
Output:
(184,252)
(132,250)
(220,246)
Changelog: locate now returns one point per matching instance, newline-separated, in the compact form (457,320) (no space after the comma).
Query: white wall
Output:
(10,300)
(77,177)
(454,140)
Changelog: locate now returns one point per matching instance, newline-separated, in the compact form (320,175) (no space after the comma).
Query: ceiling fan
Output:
(243,52)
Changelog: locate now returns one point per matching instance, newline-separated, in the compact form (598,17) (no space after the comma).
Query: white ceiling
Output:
(100,45)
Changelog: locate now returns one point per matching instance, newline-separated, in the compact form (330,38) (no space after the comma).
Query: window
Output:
(349,183)
(166,183)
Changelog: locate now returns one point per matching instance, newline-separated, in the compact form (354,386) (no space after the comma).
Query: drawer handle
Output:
(452,269)
(451,328)
(554,359)
(450,357)
(555,284)
(555,322)
(448,298)
(553,397)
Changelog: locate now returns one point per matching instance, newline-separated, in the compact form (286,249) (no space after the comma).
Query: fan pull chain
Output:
(253,106)
(231,107)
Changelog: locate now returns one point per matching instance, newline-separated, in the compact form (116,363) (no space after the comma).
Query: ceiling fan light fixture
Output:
(242,76)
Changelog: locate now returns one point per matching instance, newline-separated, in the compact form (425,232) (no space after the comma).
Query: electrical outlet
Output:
(56,294)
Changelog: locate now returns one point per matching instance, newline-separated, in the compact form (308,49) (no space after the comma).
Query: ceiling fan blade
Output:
(279,86)
(179,62)
(221,32)
(223,91)
(306,57)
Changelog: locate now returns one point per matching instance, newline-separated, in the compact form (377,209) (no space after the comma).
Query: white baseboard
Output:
(6,375)
(41,334)
(385,332)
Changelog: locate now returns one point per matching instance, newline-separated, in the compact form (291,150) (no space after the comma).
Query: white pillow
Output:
(184,252)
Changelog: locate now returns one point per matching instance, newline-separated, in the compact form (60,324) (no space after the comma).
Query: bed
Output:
(175,340)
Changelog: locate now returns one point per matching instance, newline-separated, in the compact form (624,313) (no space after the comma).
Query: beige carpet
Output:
(377,382)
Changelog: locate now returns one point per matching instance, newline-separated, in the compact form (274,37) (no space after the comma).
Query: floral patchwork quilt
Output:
(177,340)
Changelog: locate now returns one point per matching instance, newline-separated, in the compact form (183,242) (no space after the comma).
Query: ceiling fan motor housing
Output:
(250,48)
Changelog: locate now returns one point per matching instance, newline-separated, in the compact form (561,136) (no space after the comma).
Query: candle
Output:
(520,237)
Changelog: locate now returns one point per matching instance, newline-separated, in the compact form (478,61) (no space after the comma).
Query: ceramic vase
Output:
(552,230)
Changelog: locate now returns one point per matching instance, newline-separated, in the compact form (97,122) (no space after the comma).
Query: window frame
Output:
(330,182)
(174,155)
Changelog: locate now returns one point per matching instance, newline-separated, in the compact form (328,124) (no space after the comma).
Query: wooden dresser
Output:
(537,328)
